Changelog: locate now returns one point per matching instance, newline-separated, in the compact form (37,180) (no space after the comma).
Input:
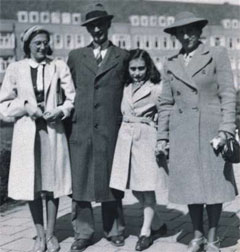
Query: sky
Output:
(235,2)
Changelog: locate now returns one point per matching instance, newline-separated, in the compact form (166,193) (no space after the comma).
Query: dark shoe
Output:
(117,240)
(159,232)
(80,245)
(52,244)
(196,245)
(143,243)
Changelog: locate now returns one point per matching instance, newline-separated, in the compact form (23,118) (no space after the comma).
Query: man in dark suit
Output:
(98,72)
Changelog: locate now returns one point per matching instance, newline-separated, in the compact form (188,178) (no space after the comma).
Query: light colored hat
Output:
(27,34)
(95,12)
(185,18)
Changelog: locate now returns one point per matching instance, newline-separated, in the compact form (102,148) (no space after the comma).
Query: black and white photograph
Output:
(119,125)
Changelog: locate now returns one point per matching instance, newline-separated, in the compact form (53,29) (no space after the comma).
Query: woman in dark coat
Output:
(197,110)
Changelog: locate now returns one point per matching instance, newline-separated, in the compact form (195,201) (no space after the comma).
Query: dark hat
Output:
(185,18)
(95,12)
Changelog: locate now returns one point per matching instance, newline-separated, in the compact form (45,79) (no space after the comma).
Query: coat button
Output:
(178,93)
(96,87)
(194,91)
(195,108)
(96,125)
(96,105)
(180,111)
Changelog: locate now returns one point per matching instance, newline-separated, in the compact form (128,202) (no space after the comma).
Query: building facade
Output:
(140,24)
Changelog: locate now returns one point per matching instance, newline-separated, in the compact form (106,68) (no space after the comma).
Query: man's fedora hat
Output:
(185,18)
(95,12)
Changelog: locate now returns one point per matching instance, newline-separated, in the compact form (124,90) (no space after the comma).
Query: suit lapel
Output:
(110,60)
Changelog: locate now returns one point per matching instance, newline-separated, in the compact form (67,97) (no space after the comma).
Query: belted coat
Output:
(17,88)
(197,101)
(96,120)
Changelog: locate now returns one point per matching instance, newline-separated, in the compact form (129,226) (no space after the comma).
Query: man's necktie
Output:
(99,56)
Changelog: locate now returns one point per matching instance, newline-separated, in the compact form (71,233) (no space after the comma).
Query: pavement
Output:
(17,232)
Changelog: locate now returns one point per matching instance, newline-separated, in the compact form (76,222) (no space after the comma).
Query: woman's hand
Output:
(33,111)
(53,115)
(7,119)
(218,142)
(162,148)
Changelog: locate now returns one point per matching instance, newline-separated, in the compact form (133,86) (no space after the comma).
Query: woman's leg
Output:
(51,208)
(196,214)
(148,201)
(214,212)
(36,209)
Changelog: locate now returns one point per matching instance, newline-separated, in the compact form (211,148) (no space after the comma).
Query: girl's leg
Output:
(214,212)
(51,208)
(148,201)
(196,214)
(36,209)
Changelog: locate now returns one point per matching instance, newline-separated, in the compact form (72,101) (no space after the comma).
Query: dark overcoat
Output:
(196,103)
(96,120)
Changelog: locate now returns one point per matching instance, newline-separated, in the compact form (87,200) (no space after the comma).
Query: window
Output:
(144,20)
(69,41)
(55,17)
(230,43)
(238,43)
(162,21)
(58,41)
(7,40)
(136,41)
(156,42)
(33,17)
(146,42)
(233,63)
(170,20)
(153,20)
(174,42)
(226,23)
(44,17)
(66,18)
(76,18)
(238,63)
(79,40)
(165,43)
(22,16)
(134,20)
(4,62)
(235,24)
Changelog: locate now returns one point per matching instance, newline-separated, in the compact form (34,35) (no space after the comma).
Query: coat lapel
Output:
(89,60)
(177,68)
(200,59)
(142,92)
(110,60)
(49,71)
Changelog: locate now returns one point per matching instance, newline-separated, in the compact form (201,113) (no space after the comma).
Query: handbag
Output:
(231,149)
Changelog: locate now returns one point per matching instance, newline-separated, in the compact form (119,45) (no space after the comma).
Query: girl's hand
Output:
(33,111)
(53,115)
(218,142)
(162,148)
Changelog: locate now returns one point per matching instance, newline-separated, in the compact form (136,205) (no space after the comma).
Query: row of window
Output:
(231,23)
(144,20)
(47,17)
(230,43)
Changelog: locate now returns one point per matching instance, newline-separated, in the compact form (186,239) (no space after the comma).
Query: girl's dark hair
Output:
(26,47)
(152,73)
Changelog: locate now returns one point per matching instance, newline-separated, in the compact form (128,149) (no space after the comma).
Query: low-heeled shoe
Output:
(196,245)
(117,240)
(80,245)
(144,242)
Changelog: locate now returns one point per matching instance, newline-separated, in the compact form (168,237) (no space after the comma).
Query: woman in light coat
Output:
(134,163)
(197,111)
(31,95)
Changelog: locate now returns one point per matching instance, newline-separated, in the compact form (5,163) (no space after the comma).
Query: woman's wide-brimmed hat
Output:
(95,12)
(185,18)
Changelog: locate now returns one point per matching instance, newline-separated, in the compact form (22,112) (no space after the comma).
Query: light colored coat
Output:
(196,103)
(17,88)
(134,159)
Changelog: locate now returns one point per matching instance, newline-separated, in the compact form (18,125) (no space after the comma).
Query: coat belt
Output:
(136,119)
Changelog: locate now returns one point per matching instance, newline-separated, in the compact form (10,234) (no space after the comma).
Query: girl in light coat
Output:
(134,164)
(31,97)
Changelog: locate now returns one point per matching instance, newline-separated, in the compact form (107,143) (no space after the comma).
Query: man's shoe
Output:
(117,240)
(80,245)
(143,243)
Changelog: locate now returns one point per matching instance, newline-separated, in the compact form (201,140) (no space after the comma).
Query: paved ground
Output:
(17,232)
